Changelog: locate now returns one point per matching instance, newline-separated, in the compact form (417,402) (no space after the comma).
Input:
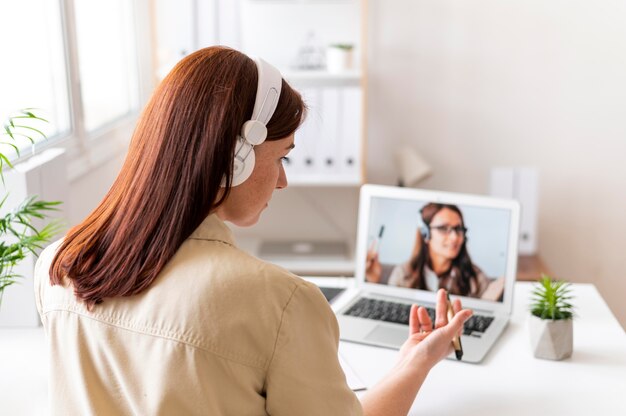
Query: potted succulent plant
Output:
(339,57)
(550,323)
(18,237)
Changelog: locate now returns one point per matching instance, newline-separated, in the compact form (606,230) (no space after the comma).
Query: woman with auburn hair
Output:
(439,259)
(150,308)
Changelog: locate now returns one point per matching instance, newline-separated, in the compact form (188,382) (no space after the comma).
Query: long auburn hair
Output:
(459,282)
(182,148)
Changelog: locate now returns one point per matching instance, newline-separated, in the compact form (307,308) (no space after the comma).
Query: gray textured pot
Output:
(551,340)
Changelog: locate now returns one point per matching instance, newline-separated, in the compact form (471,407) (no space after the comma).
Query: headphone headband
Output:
(268,89)
(254,131)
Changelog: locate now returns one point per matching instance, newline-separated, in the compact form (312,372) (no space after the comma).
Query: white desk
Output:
(509,382)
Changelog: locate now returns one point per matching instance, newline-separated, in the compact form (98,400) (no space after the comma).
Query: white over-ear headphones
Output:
(254,131)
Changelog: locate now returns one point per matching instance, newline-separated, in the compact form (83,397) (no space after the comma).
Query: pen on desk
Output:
(456,341)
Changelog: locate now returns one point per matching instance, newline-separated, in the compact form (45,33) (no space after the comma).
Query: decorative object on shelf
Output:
(412,167)
(18,236)
(550,323)
(310,55)
(339,57)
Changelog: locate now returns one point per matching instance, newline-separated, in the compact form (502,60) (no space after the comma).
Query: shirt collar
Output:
(213,228)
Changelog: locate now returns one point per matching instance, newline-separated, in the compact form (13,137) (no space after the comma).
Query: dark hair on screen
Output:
(459,283)
(181,149)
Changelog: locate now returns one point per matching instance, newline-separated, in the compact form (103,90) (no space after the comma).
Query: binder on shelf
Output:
(349,149)
(328,144)
(302,157)
(327,149)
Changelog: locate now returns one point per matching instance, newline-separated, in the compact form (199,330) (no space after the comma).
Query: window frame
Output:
(88,150)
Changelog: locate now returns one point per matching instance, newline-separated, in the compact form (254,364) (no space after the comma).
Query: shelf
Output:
(313,264)
(309,78)
(318,267)
(322,180)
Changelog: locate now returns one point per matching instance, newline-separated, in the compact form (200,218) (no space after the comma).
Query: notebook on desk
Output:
(411,242)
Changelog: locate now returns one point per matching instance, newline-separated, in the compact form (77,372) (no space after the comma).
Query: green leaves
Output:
(18,237)
(14,127)
(551,299)
(26,238)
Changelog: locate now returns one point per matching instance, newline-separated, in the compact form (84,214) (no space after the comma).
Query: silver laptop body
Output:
(389,218)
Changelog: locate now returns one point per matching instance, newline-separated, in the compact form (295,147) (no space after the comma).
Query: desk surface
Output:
(509,382)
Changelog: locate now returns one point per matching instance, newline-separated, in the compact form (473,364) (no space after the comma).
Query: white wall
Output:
(86,191)
(308,213)
(276,30)
(488,83)
(475,85)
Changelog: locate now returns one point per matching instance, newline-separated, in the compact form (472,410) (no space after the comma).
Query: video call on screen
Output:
(425,246)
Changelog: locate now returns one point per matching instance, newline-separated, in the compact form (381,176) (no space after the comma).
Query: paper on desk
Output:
(354,381)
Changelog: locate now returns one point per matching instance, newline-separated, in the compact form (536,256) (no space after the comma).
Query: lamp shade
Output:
(413,168)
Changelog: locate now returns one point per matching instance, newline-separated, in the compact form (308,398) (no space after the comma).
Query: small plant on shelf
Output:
(344,46)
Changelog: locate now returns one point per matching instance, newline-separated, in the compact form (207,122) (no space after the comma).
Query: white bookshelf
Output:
(322,78)
(330,147)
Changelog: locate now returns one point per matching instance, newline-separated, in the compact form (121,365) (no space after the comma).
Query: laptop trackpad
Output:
(387,335)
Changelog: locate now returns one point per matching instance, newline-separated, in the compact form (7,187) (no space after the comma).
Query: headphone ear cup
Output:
(425,230)
(243,164)
(254,132)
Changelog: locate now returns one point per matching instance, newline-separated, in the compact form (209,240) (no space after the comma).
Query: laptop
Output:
(410,242)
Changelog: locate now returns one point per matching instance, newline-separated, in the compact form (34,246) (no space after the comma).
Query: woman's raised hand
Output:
(373,268)
(429,343)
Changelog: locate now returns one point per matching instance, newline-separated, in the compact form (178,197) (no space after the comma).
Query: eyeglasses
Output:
(447,229)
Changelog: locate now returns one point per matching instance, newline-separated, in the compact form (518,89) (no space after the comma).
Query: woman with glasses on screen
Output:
(439,258)
(149,306)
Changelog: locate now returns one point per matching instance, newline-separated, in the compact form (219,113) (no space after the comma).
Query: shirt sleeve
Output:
(304,376)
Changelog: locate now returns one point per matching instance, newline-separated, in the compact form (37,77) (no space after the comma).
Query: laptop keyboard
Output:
(382,310)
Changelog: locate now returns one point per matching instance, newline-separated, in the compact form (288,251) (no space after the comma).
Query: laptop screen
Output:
(426,245)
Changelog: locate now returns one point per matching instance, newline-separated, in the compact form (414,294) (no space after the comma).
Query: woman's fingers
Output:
(456,324)
(372,267)
(441,309)
(419,320)
(426,324)
(414,322)
(456,306)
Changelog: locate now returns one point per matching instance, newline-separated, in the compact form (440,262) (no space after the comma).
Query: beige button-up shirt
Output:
(219,332)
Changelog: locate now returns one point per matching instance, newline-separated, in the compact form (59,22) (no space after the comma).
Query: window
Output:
(107,64)
(33,71)
(76,61)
